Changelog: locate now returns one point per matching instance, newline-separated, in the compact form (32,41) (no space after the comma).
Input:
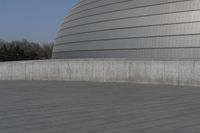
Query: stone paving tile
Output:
(83,107)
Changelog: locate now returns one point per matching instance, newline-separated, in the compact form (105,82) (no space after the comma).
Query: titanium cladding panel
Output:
(131,29)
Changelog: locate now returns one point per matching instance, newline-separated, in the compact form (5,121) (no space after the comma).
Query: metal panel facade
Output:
(162,29)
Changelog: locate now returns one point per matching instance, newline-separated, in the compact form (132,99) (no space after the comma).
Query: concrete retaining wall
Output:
(105,70)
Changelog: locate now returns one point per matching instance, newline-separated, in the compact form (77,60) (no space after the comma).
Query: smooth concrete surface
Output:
(174,72)
(78,107)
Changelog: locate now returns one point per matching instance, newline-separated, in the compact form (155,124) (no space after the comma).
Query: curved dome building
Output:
(163,29)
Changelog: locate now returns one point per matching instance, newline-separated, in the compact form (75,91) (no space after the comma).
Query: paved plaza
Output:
(82,107)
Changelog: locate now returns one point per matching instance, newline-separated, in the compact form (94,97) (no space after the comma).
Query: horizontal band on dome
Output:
(177,1)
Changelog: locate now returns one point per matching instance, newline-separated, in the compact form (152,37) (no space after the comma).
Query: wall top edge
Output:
(98,59)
